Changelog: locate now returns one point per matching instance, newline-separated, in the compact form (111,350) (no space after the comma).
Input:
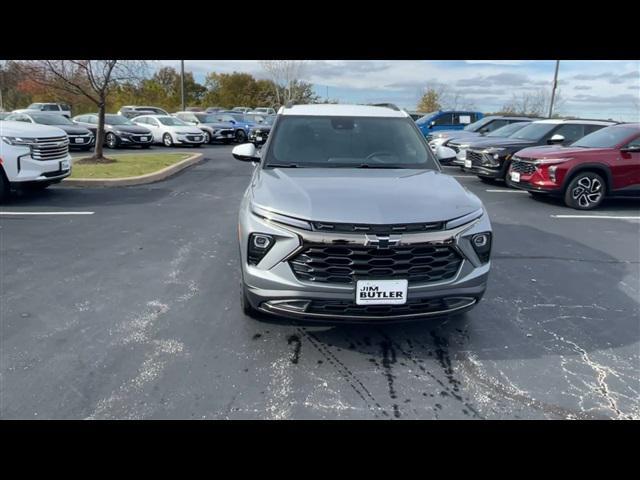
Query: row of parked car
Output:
(145,125)
(580,160)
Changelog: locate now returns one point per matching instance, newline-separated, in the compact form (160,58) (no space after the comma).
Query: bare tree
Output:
(93,79)
(534,103)
(437,96)
(285,75)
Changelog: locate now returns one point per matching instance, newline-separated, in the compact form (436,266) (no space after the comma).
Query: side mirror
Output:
(246,153)
(557,138)
(445,153)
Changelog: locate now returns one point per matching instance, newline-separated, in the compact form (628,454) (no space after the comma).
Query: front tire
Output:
(4,186)
(247,309)
(167,140)
(207,137)
(585,191)
(112,140)
(241,137)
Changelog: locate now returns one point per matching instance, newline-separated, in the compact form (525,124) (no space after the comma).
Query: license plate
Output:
(229,135)
(64,165)
(467,164)
(198,138)
(258,139)
(515,176)
(144,139)
(381,292)
(79,140)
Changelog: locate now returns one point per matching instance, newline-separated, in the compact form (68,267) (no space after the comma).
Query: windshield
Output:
(606,137)
(172,121)
(507,130)
(207,118)
(331,142)
(269,120)
(51,119)
(534,131)
(34,106)
(478,124)
(424,118)
(117,120)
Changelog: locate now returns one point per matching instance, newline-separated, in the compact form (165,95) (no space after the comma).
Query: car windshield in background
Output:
(117,120)
(330,142)
(477,125)
(507,130)
(207,118)
(172,121)
(51,119)
(34,106)
(605,137)
(534,131)
(424,118)
(269,120)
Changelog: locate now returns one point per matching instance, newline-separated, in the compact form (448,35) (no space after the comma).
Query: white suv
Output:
(32,155)
(59,108)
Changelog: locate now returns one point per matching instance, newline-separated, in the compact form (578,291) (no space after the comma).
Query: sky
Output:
(588,89)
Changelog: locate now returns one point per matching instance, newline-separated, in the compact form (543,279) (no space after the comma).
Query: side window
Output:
(140,120)
(92,119)
(571,132)
(462,118)
(444,119)
(592,128)
(634,143)
(51,108)
(152,121)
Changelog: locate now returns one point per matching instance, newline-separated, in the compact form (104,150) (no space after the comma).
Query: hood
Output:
(29,130)
(484,142)
(218,125)
(186,129)
(346,195)
(129,128)
(556,151)
(74,129)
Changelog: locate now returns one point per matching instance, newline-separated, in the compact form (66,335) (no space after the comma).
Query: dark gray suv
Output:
(348,217)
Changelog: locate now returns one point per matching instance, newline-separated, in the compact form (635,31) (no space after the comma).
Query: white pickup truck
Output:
(32,155)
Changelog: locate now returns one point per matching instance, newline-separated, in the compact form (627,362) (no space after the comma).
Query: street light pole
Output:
(182,84)
(553,91)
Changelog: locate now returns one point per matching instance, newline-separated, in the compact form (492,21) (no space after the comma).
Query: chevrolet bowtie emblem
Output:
(382,242)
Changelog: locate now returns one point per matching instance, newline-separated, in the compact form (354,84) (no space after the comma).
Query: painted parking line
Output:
(502,190)
(606,217)
(46,213)
(463,176)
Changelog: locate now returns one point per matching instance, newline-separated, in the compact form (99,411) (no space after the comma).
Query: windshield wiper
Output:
(279,165)
(367,165)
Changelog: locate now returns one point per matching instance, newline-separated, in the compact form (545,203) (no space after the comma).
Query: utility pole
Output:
(553,91)
(182,84)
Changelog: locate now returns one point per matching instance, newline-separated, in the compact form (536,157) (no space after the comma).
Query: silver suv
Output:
(349,217)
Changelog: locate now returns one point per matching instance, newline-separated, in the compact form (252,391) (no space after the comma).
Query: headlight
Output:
(482,245)
(547,161)
(16,140)
(278,218)
(259,246)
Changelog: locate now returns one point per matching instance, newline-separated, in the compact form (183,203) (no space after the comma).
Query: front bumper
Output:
(272,287)
(135,139)
(81,141)
(189,139)
(36,171)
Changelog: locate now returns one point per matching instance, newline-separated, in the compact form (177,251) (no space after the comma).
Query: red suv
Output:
(605,162)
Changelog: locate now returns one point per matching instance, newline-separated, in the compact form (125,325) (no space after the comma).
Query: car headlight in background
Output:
(259,246)
(16,140)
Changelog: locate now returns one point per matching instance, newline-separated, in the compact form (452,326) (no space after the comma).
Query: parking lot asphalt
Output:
(124,303)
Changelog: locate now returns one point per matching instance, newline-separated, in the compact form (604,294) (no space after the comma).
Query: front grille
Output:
(139,138)
(413,306)
(194,138)
(523,167)
(346,264)
(475,157)
(49,148)
(384,229)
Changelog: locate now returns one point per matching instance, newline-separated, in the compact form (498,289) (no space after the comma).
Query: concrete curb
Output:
(139,180)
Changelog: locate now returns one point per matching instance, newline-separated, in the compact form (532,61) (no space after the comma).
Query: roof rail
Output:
(392,106)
